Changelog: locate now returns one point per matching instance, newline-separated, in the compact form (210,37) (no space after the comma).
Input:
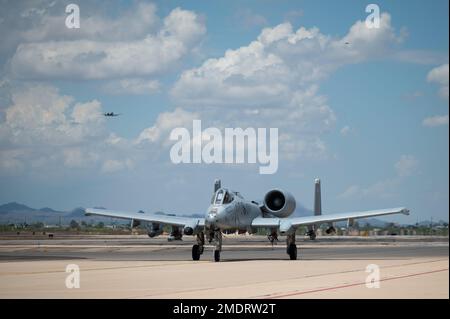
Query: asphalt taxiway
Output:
(139,267)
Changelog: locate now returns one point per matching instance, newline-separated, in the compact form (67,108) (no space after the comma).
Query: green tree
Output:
(38,225)
(74,224)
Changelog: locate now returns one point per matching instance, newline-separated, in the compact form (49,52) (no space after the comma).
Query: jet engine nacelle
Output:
(279,203)
(154,230)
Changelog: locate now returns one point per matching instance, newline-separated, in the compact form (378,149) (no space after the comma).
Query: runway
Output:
(139,267)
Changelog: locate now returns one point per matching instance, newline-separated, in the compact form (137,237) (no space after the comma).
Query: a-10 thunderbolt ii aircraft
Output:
(229,211)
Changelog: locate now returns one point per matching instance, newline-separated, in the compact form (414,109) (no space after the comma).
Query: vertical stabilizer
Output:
(217,185)
(317,198)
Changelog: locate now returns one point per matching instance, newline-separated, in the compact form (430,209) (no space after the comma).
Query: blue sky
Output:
(370,118)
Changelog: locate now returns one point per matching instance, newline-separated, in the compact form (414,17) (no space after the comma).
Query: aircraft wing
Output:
(286,224)
(148,217)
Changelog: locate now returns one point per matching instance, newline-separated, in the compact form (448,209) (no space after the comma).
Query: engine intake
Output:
(279,203)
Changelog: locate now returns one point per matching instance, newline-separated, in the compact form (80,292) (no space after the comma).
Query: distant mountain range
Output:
(15,213)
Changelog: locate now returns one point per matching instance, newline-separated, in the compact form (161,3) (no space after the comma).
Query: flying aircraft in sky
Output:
(111,114)
(229,211)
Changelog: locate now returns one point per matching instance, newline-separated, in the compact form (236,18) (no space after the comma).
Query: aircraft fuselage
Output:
(237,214)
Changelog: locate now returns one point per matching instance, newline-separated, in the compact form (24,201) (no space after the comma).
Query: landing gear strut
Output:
(217,244)
(312,234)
(197,249)
(273,236)
(291,247)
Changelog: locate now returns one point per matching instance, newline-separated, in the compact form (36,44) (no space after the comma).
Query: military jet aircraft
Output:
(229,211)
(111,114)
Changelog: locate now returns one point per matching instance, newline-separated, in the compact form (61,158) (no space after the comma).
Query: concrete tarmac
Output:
(139,267)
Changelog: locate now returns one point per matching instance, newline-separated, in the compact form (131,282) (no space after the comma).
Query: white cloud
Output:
(112,166)
(134,86)
(149,53)
(279,74)
(85,113)
(438,120)
(406,165)
(165,122)
(134,23)
(76,157)
(440,75)
(44,129)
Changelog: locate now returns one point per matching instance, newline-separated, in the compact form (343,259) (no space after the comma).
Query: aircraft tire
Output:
(292,251)
(216,255)
(195,252)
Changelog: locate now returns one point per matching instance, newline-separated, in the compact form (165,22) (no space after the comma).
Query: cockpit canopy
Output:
(224,196)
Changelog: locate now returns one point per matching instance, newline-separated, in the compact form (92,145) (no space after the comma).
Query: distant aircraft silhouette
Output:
(110,114)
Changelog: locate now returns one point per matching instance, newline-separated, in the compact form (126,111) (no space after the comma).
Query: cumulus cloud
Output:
(135,86)
(439,75)
(132,24)
(135,48)
(160,131)
(44,129)
(279,74)
(280,61)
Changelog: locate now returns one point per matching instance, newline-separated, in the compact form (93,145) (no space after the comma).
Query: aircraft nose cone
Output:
(211,217)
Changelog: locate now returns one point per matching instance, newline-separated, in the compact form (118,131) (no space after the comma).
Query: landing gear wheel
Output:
(311,234)
(216,255)
(196,252)
(292,251)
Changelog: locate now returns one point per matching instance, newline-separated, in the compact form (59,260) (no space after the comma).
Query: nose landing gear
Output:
(217,244)
(212,236)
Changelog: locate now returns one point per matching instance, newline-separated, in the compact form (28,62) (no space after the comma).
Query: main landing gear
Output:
(273,236)
(312,234)
(198,249)
(291,247)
